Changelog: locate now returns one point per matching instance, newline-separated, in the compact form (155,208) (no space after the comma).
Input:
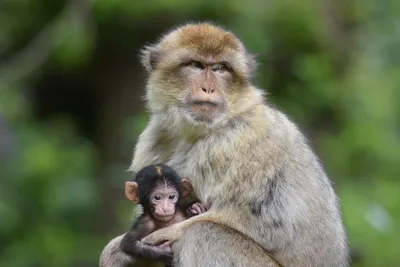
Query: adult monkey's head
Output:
(199,75)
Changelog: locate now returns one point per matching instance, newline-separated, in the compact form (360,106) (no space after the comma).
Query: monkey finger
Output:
(166,244)
(193,211)
(166,247)
(167,252)
(197,207)
(200,208)
(203,208)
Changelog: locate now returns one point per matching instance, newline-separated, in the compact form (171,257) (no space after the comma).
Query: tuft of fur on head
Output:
(153,176)
(202,38)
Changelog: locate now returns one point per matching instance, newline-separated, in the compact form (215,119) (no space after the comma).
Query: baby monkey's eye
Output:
(172,197)
(157,197)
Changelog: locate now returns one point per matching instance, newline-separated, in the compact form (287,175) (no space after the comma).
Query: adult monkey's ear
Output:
(149,56)
(132,192)
(187,187)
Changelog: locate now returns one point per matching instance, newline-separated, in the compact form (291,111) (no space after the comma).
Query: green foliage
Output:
(332,66)
(48,193)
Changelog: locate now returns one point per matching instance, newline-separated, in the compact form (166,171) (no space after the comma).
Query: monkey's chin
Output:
(163,218)
(202,115)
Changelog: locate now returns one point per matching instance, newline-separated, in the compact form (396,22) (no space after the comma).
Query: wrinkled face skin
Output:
(199,73)
(163,201)
(205,85)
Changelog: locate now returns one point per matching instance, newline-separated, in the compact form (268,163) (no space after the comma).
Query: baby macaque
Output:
(158,188)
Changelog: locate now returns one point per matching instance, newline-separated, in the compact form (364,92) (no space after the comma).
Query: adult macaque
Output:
(246,160)
(158,189)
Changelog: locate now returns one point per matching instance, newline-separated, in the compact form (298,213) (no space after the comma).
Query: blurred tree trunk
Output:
(341,27)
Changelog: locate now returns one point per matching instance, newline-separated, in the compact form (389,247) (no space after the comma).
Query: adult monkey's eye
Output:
(196,64)
(220,67)
(157,197)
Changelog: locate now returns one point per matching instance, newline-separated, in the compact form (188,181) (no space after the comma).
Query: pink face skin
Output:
(164,201)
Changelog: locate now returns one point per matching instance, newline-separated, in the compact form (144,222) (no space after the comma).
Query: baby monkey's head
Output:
(158,188)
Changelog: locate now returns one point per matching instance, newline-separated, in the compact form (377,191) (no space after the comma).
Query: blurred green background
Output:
(71,111)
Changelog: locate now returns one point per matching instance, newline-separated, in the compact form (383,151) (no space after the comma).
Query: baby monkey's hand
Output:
(167,252)
(196,209)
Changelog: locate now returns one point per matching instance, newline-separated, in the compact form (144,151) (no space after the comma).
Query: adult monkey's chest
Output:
(203,163)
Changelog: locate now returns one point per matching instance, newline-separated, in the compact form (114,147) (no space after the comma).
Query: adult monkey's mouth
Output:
(204,104)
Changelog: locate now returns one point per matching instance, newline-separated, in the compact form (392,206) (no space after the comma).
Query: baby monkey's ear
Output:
(187,187)
(132,192)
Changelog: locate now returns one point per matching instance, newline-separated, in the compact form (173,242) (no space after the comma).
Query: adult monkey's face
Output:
(200,73)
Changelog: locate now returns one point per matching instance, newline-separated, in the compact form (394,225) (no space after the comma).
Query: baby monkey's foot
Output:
(196,209)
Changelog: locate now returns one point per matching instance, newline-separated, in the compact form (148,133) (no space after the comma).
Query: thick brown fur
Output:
(248,162)
(112,255)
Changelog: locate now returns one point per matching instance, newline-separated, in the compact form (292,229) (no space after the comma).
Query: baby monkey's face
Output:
(163,201)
